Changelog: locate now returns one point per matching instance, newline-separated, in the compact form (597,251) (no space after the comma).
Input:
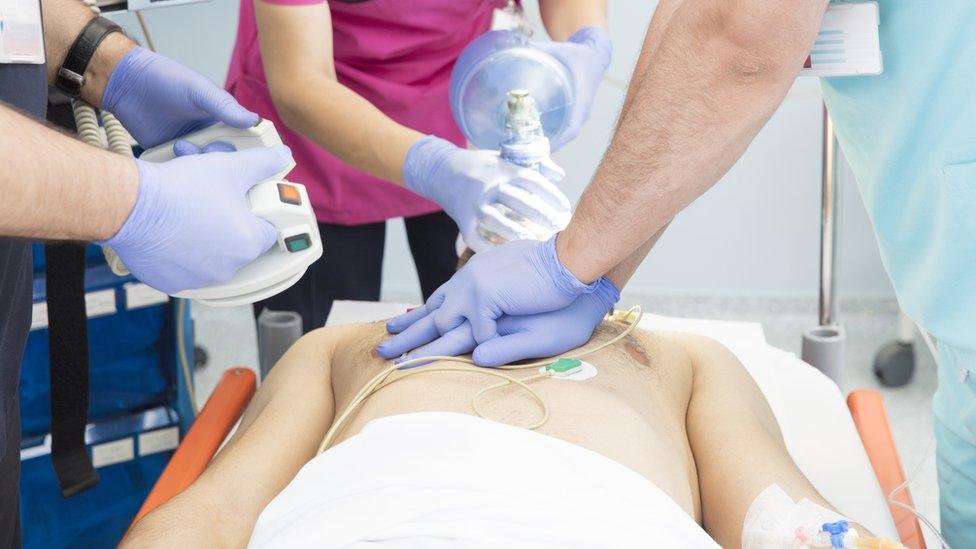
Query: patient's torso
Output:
(632,411)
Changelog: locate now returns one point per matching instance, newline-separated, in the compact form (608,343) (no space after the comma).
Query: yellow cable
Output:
(381,380)
(506,383)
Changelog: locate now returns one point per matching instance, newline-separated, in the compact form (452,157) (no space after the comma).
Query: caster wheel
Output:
(199,357)
(894,364)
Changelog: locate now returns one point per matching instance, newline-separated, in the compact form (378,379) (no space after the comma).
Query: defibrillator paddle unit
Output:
(282,203)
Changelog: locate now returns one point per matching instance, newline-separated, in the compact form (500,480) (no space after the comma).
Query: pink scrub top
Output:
(398,54)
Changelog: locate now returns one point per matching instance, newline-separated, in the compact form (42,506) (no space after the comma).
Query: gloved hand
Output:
(191,225)
(587,55)
(517,278)
(158,99)
(470,184)
(520,337)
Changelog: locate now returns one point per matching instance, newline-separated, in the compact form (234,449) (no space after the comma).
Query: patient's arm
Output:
(737,444)
(279,433)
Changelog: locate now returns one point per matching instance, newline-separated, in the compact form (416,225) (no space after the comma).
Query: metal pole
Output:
(823,346)
(828,225)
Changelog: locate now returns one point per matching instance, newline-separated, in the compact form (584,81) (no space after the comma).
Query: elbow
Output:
(758,41)
(287,105)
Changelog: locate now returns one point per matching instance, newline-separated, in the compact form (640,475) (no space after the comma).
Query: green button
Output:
(298,242)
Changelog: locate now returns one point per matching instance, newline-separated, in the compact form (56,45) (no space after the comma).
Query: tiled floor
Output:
(228,336)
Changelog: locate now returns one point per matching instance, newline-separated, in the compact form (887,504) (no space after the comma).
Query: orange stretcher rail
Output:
(224,407)
(868,411)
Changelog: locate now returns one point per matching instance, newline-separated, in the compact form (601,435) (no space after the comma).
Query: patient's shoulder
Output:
(702,351)
(359,339)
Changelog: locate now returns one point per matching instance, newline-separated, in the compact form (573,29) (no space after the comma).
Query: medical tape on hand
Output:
(775,521)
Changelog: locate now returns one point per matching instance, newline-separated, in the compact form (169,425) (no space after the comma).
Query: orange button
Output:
(289,194)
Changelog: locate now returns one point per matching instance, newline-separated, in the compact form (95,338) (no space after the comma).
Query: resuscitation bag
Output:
(494,64)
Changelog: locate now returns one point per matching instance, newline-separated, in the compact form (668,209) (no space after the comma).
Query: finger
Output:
(419,333)
(536,184)
(400,323)
(184,148)
(218,146)
(483,326)
(436,299)
(479,242)
(530,207)
(458,341)
(505,349)
(551,171)
(500,227)
(260,164)
(448,316)
(267,235)
(223,107)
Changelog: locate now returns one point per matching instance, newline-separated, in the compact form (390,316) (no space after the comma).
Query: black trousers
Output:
(352,263)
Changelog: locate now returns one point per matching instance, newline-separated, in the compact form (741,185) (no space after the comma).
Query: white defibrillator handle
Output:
(282,203)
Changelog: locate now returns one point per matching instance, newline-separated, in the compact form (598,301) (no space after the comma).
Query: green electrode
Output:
(565,366)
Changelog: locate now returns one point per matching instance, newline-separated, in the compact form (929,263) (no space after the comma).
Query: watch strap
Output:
(71,75)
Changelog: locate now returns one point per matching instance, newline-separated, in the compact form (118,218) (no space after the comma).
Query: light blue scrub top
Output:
(910,137)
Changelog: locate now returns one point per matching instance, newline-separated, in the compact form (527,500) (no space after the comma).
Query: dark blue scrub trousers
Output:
(23,87)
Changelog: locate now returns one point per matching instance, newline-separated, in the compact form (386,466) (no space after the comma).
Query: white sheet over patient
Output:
(437,479)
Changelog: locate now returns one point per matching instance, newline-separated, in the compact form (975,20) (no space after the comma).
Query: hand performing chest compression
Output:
(512,302)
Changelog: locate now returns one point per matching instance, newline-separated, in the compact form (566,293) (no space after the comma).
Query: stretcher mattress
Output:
(809,407)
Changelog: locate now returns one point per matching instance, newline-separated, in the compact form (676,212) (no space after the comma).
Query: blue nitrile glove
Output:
(191,225)
(158,99)
(468,184)
(516,278)
(548,334)
(528,336)
(587,55)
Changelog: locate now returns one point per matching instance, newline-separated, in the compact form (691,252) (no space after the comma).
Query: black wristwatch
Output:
(71,75)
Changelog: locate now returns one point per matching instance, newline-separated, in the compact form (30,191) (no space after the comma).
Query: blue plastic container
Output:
(138,409)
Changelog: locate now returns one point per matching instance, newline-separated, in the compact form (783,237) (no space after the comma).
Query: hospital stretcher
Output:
(845,447)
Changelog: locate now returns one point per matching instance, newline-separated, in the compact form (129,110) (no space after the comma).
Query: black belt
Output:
(68,353)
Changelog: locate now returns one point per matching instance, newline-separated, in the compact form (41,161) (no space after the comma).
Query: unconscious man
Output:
(669,444)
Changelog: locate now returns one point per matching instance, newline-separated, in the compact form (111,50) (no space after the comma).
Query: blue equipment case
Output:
(138,408)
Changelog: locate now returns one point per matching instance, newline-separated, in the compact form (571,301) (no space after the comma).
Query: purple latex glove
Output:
(517,278)
(468,184)
(158,99)
(520,337)
(191,225)
(587,55)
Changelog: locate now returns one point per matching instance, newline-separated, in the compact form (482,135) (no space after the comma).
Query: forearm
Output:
(56,187)
(659,22)
(725,398)
(345,124)
(63,22)
(562,18)
(621,273)
(278,434)
(717,74)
